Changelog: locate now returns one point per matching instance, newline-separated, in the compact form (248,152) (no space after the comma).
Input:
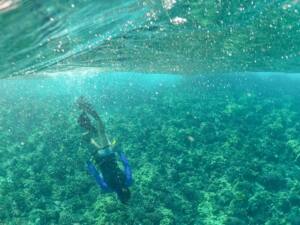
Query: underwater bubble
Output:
(178,20)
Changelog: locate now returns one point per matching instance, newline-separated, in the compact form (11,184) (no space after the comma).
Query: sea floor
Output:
(204,151)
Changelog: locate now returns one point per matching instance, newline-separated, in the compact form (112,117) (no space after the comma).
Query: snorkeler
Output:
(103,158)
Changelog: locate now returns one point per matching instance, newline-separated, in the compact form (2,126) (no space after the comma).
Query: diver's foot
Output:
(83,104)
(87,107)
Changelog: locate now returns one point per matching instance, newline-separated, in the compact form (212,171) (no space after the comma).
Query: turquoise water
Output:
(202,97)
(168,36)
(203,149)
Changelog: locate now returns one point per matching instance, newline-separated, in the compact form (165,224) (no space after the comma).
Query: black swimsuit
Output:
(112,174)
(106,161)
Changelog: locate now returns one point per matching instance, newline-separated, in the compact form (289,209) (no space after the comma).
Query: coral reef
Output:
(204,150)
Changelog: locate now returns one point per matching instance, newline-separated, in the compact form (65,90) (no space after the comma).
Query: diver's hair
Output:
(124,195)
(85,122)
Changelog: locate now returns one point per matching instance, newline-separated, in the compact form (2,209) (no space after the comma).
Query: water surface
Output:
(168,36)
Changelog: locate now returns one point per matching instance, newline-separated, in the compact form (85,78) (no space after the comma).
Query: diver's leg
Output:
(88,108)
(103,139)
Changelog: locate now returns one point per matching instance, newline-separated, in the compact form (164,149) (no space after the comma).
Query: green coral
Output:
(203,152)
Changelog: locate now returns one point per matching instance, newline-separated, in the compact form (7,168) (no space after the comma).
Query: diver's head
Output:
(85,122)
(124,195)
